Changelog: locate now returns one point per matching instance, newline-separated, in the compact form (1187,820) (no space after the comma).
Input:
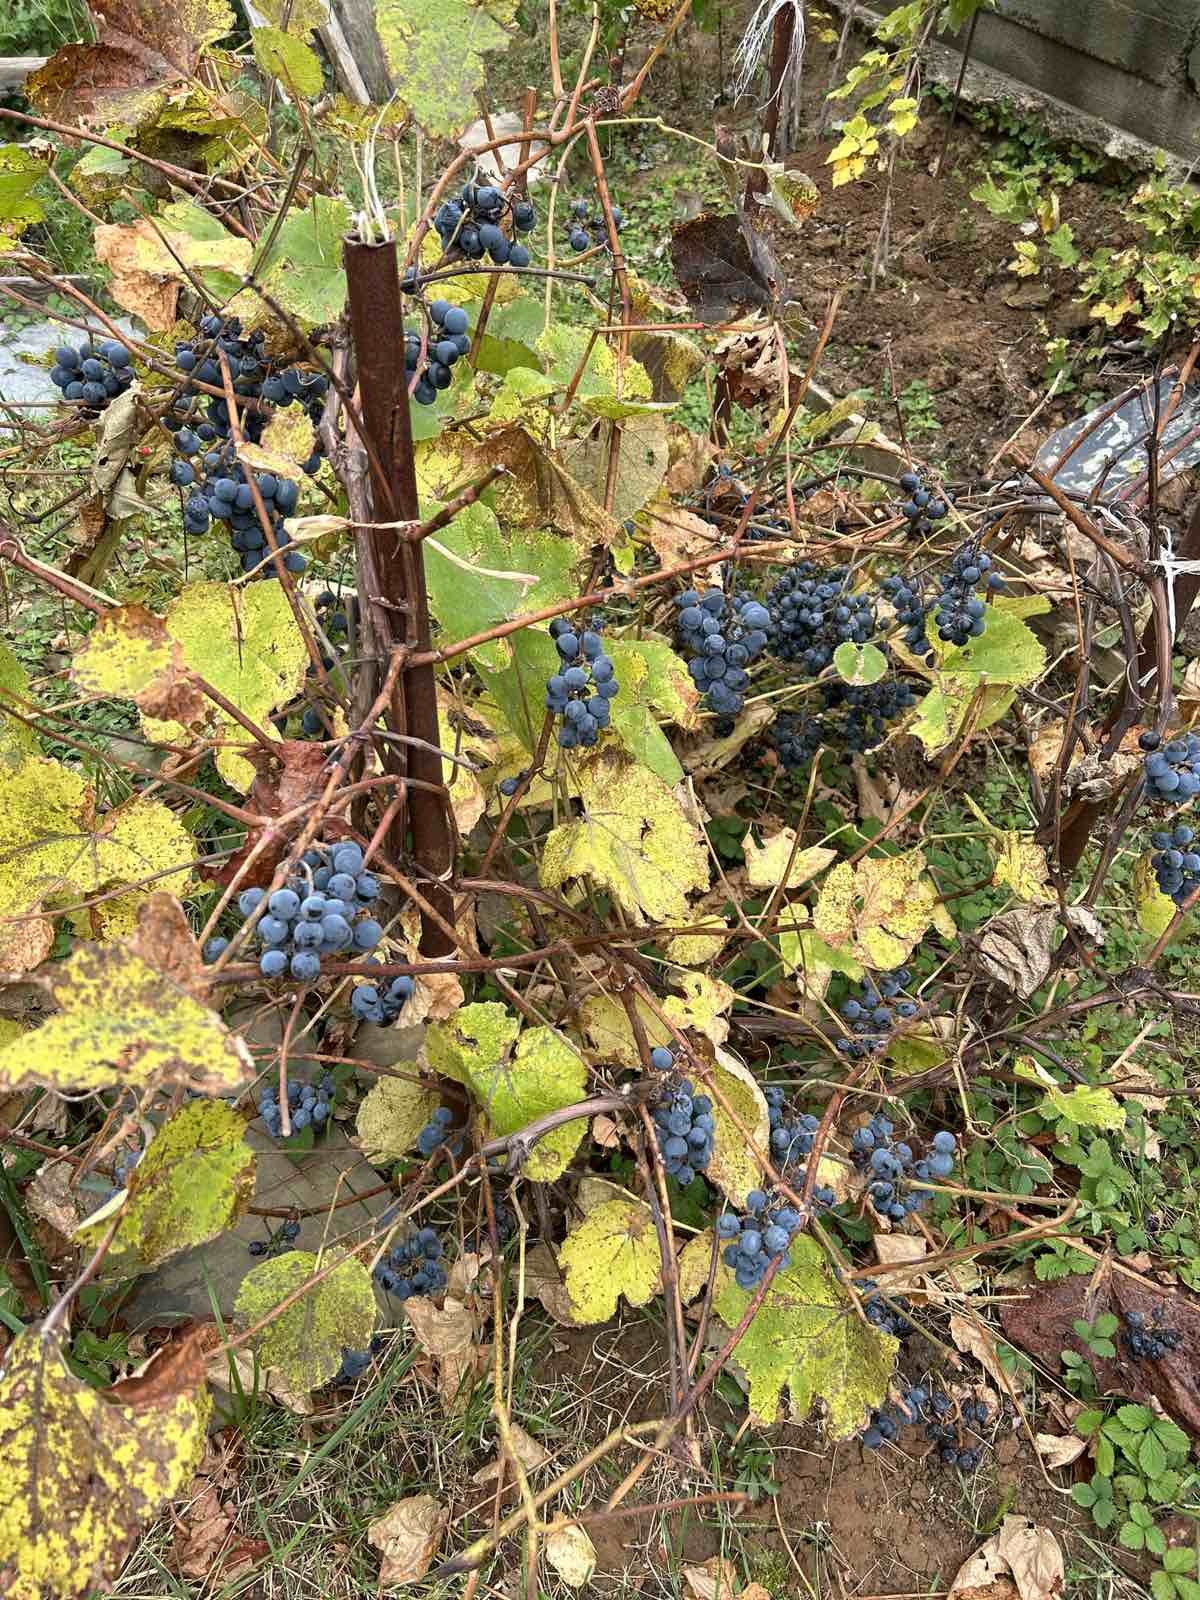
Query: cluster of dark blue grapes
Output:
(905,595)
(813,611)
(861,723)
(219,489)
(791,1142)
(889,1316)
(447,342)
(721,639)
(309,1105)
(370,1003)
(684,1124)
(934,1408)
(758,1238)
(473,225)
(282,1238)
(923,507)
(890,1162)
(870,1015)
(1172,770)
(436,1133)
(356,1362)
(580,691)
(92,374)
(318,913)
(958,613)
(414,1266)
(585,227)
(1176,864)
(1149,1339)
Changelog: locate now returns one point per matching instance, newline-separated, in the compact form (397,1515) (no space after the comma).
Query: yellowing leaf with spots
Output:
(304,1343)
(287,442)
(16,738)
(1155,910)
(474,1039)
(1022,865)
(812,962)
(543,1075)
(605,1021)
(609,387)
(806,1337)
(698,948)
(704,1005)
(878,910)
(613,1252)
(634,839)
(733,1165)
(391,1116)
(693,1263)
(435,51)
(944,711)
(654,683)
(767,863)
(84,1469)
(1084,1105)
(243,641)
(123,1022)
(195,1181)
(140,840)
(130,654)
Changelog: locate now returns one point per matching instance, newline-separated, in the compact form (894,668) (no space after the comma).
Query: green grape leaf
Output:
(733,1166)
(473,1040)
(435,51)
(306,1340)
(522,387)
(645,455)
(634,839)
(609,387)
(812,962)
(301,266)
(466,593)
(17,739)
(613,1252)
(124,1023)
(806,1336)
(194,1181)
(20,169)
(859,663)
(878,910)
(512,332)
(519,688)
(1084,1105)
(1006,652)
(284,56)
(543,1074)
(85,1469)
(653,680)
(246,644)
(942,713)
(297,16)
(391,1116)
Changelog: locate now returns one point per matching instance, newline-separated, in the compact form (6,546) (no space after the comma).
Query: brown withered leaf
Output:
(290,776)
(164,938)
(677,534)
(25,944)
(147,295)
(754,362)
(407,1536)
(716,268)
(1015,947)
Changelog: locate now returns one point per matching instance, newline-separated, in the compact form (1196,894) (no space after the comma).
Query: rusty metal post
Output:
(395,565)
(783,31)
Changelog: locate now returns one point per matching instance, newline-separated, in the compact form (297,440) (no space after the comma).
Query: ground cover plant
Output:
(523,819)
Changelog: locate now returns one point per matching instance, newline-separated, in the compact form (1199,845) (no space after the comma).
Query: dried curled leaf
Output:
(85,1469)
(407,1536)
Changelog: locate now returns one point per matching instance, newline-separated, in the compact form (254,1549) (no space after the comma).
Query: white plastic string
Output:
(1172,566)
(748,56)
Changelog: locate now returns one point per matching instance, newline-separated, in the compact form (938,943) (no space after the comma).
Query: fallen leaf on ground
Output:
(893,1247)
(1022,1548)
(572,1555)
(1059,1449)
(973,1338)
(544,1282)
(526,1448)
(717,1579)
(448,1334)
(407,1536)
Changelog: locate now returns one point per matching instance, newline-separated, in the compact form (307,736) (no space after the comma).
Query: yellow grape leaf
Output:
(1084,1105)
(282,55)
(812,962)
(141,839)
(610,387)
(703,1006)
(474,1039)
(16,738)
(613,1252)
(922,1047)
(692,1265)
(287,442)
(698,947)
(85,1470)
(767,863)
(634,839)
(878,910)
(806,1336)
(195,1181)
(1022,865)
(606,1024)
(544,1074)
(124,1023)
(733,1166)
(391,1116)
(1155,910)
(246,644)
(306,1340)
(943,711)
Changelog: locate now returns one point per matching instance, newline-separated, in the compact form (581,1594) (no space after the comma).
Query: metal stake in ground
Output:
(395,572)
